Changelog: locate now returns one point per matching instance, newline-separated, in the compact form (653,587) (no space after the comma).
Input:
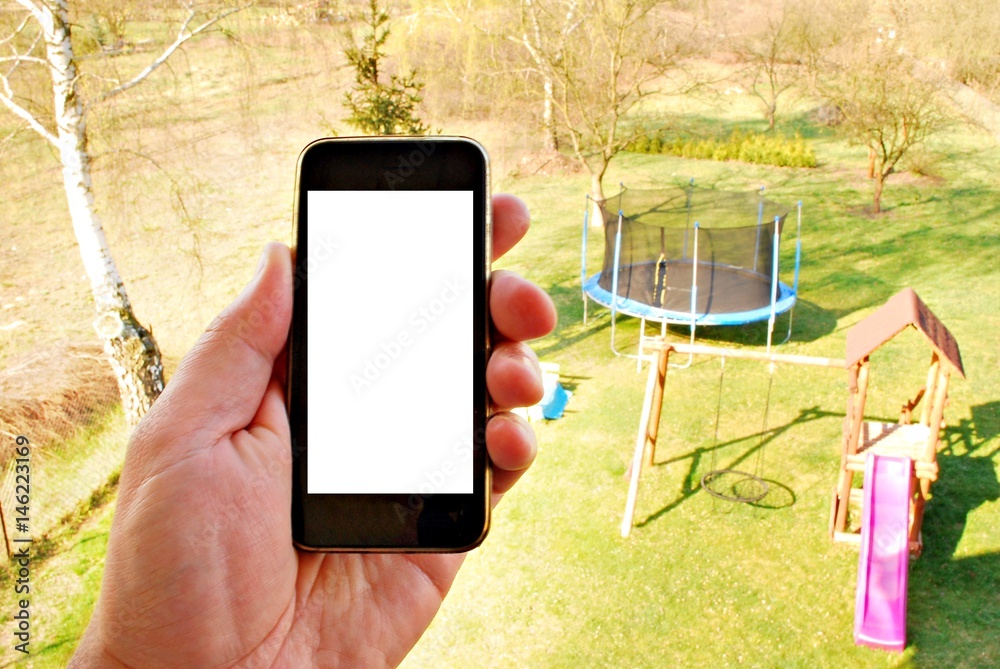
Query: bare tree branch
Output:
(7,98)
(17,31)
(35,10)
(24,59)
(6,141)
(19,58)
(183,35)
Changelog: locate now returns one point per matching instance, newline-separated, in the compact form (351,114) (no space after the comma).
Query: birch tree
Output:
(37,46)
(545,31)
(516,35)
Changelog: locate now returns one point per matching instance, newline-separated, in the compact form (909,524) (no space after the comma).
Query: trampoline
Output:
(691,256)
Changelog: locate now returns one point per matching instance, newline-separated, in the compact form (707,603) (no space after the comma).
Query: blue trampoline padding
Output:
(786,300)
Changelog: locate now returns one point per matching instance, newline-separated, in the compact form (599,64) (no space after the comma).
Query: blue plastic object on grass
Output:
(555,400)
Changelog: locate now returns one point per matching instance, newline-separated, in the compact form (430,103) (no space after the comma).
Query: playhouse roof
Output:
(903,309)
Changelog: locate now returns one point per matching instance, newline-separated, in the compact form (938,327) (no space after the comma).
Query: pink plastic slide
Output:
(880,605)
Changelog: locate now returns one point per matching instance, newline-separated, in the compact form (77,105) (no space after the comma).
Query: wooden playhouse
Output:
(917,434)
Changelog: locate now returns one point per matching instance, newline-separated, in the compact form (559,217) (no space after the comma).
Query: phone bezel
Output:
(375,522)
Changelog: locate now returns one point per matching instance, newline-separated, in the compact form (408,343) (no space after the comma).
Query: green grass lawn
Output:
(65,579)
(703,583)
(699,582)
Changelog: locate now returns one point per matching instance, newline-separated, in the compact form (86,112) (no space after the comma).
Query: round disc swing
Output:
(734,485)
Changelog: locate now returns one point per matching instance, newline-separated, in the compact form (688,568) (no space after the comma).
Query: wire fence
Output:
(64,402)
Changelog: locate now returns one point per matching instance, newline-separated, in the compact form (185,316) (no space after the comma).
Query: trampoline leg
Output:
(614,317)
(788,335)
(690,355)
(613,349)
(642,333)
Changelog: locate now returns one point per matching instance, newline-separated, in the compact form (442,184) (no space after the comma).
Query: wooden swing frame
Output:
(652,404)
(918,441)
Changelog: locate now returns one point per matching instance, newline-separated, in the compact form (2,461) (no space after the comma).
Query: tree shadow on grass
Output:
(851,290)
(571,329)
(778,496)
(954,604)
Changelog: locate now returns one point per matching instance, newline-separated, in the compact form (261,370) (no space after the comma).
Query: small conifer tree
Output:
(380,104)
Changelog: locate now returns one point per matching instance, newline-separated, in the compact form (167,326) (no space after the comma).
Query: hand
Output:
(200,569)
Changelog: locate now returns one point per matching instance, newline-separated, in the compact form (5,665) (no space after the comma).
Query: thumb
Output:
(219,385)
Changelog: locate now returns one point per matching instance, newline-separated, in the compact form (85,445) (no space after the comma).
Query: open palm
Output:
(200,569)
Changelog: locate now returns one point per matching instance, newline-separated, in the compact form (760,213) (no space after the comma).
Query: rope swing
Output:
(733,485)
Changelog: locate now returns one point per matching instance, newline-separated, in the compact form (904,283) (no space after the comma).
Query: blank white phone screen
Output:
(390,330)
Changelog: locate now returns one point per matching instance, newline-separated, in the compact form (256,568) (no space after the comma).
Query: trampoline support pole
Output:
(774,281)
(687,223)
(614,282)
(798,262)
(642,334)
(583,257)
(694,282)
(760,221)
(798,248)
(694,296)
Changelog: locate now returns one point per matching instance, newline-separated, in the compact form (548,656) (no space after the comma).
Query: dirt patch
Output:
(49,393)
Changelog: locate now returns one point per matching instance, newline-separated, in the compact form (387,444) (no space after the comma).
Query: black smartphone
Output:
(388,346)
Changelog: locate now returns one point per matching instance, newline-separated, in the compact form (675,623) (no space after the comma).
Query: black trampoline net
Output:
(656,264)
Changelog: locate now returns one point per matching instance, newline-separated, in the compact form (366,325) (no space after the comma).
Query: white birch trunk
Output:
(548,121)
(535,47)
(131,349)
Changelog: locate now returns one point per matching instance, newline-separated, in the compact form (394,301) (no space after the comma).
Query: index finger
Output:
(510,222)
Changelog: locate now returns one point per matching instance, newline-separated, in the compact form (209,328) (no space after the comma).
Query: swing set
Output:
(897,462)
(753,484)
